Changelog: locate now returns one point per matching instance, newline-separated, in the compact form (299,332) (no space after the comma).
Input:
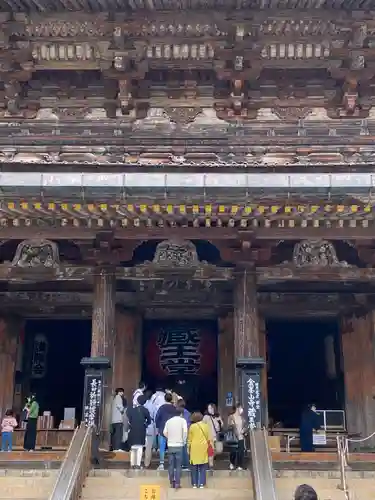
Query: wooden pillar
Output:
(358,344)
(103,332)
(226,362)
(248,348)
(246,321)
(264,371)
(103,313)
(9,337)
(127,359)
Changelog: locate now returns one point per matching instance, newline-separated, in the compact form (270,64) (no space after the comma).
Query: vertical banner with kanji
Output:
(251,398)
(93,395)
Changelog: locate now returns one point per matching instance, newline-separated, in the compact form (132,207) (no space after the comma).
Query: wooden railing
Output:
(75,467)
(341,452)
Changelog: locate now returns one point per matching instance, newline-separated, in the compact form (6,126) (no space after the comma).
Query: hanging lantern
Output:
(39,357)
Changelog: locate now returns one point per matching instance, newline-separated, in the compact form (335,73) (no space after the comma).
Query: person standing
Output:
(165,412)
(186,414)
(139,419)
(8,425)
(198,446)
(150,431)
(237,424)
(32,410)
(215,424)
(176,431)
(139,392)
(117,422)
(310,421)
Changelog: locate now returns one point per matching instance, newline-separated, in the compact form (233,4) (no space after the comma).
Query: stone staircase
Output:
(125,484)
(26,483)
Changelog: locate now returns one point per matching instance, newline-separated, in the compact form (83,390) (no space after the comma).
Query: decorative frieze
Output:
(63,28)
(295,51)
(196,51)
(65,52)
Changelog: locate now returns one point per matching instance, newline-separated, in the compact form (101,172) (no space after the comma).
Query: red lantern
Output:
(181,349)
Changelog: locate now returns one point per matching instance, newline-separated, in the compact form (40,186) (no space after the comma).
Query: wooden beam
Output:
(81,233)
(300,233)
(337,275)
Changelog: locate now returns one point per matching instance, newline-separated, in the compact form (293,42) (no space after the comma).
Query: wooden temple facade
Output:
(248,125)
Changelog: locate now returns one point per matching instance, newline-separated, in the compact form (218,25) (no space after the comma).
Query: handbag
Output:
(210,448)
(219,447)
(230,438)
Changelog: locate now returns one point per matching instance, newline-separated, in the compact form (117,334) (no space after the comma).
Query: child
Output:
(7,427)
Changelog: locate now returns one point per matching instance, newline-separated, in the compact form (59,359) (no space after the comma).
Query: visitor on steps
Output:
(165,412)
(32,413)
(139,392)
(305,492)
(187,415)
(139,419)
(150,431)
(117,420)
(198,446)
(158,399)
(237,424)
(215,424)
(175,432)
(8,425)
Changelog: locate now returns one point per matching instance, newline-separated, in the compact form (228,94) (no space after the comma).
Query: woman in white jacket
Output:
(117,420)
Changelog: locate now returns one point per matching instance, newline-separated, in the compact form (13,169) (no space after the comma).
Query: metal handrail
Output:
(341,451)
(75,467)
(262,471)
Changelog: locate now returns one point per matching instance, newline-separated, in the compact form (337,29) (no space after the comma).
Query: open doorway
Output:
(303,368)
(51,363)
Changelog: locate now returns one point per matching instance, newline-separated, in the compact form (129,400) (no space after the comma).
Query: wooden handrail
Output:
(75,467)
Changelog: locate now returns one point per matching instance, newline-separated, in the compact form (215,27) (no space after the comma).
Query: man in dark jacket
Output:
(165,412)
(139,419)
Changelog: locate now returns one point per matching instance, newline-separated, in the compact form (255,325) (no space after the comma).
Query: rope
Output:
(360,440)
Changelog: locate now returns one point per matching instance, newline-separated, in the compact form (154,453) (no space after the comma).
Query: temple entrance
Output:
(182,355)
(303,368)
(51,363)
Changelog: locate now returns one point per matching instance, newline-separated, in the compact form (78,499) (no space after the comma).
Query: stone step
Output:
(26,484)
(222,485)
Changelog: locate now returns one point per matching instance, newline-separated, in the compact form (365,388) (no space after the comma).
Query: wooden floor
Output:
(35,456)
(320,457)
(123,458)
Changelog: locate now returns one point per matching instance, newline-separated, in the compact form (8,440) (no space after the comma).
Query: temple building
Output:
(186,190)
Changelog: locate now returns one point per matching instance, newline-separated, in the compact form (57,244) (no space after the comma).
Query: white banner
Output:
(320,439)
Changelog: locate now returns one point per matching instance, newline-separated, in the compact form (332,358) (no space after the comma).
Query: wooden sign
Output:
(319,439)
(150,492)
(252,400)
(92,399)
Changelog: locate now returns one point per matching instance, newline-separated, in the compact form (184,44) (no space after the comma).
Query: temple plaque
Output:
(92,399)
(253,401)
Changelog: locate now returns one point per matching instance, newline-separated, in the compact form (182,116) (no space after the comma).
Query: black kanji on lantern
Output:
(179,349)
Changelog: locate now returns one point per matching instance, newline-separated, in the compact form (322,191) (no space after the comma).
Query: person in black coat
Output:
(310,421)
(139,419)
